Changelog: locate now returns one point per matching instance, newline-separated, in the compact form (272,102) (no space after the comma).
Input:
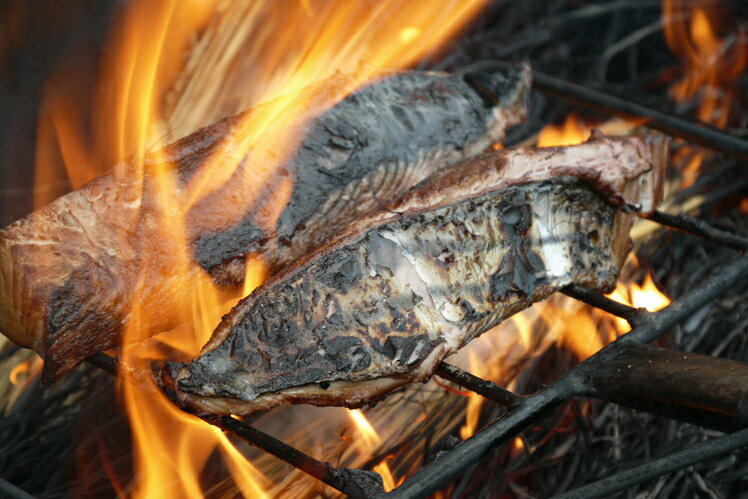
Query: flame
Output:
(646,296)
(518,447)
(370,441)
(169,68)
(366,430)
(573,131)
(744,205)
(712,65)
(25,372)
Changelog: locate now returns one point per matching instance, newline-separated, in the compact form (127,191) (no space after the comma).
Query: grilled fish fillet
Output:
(69,272)
(407,286)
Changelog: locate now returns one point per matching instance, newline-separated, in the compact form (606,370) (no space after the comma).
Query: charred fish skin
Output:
(365,151)
(70,272)
(382,306)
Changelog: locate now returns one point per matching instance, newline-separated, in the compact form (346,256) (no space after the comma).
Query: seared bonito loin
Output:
(71,272)
(405,287)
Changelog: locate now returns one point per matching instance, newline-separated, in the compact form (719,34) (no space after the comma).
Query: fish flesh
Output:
(71,272)
(407,286)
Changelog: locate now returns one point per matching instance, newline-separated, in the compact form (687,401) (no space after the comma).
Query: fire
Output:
(518,446)
(24,372)
(646,296)
(573,131)
(712,65)
(169,68)
(369,441)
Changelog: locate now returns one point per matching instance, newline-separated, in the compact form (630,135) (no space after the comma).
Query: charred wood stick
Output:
(444,468)
(699,228)
(697,389)
(480,386)
(673,462)
(630,314)
(696,133)
(353,483)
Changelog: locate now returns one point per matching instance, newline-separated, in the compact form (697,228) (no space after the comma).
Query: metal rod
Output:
(693,132)
(679,460)
(480,386)
(698,228)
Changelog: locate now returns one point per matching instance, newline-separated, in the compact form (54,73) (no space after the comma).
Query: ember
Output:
(134,270)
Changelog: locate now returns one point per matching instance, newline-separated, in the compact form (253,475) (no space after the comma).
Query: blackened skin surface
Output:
(72,272)
(369,309)
(365,151)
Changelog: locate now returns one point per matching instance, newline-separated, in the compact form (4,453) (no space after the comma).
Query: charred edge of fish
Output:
(506,237)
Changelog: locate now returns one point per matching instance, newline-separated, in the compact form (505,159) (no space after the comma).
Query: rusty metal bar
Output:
(631,314)
(694,132)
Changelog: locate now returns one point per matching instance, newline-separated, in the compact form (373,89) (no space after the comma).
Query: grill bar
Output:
(698,389)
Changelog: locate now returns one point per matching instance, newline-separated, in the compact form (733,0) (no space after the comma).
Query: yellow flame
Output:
(365,429)
(712,65)
(172,67)
(24,372)
(573,131)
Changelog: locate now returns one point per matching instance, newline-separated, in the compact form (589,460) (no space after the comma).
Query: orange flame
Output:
(646,296)
(711,65)
(369,442)
(171,67)
(573,131)
(24,372)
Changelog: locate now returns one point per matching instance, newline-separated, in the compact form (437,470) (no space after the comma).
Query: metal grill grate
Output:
(720,408)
